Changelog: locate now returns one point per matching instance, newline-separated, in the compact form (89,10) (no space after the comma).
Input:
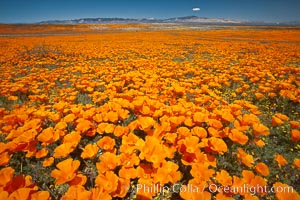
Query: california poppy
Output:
(297,162)
(6,176)
(262,168)
(67,170)
(245,158)
(64,150)
(108,181)
(108,161)
(280,160)
(286,192)
(295,135)
(237,136)
(260,129)
(199,131)
(48,136)
(48,162)
(76,192)
(40,195)
(90,151)
(4,158)
(106,143)
(224,178)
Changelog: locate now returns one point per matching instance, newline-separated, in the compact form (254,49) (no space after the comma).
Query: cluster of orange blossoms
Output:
(103,111)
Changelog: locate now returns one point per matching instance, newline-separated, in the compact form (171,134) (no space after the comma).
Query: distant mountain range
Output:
(182,20)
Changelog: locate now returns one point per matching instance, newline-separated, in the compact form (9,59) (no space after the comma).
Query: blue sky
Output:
(26,11)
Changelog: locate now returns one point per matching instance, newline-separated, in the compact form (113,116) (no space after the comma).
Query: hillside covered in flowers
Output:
(141,113)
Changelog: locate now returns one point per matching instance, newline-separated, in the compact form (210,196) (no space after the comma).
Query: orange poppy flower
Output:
(55,117)
(73,137)
(77,192)
(168,172)
(98,118)
(224,178)
(109,161)
(276,121)
(32,124)
(4,195)
(227,116)
(214,132)
(6,176)
(153,151)
(257,182)
(262,168)
(41,153)
(249,119)
(297,162)
(295,135)
(40,195)
(216,124)
(285,191)
(258,95)
(21,193)
(160,129)
(170,138)
(260,129)
(183,132)
(109,128)
(4,158)
(79,179)
(145,123)
(199,131)
(67,171)
(295,124)
(217,145)
(240,127)
(281,116)
(90,151)
(61,125)
(84,125)
(119,131)
(26,137)
(99,193)
(69,118)
(189,144)
(280,160)
(106,143)
(101,127)
(112,116)
(123,187)
(107,181)
(200,117)
(189,122)
(123,114)
(248,176)
(64,150)
(48,136)
(237,136)
(176,120)
(245,158)
(202,172)
(128,173)
(259,142)
(238,183)
(48,162)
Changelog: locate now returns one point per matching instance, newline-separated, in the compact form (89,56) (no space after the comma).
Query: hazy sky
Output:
(15,11)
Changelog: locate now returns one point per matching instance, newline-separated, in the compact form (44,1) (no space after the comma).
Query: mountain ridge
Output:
(182,20)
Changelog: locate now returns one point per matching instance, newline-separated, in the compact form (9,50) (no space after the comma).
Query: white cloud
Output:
(196,9)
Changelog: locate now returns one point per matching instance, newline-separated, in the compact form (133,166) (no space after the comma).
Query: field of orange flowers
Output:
(169,114)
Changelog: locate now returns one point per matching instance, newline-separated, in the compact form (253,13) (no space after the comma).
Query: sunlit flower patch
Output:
(181,114)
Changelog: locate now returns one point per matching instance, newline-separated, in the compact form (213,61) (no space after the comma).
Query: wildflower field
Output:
(135,112)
